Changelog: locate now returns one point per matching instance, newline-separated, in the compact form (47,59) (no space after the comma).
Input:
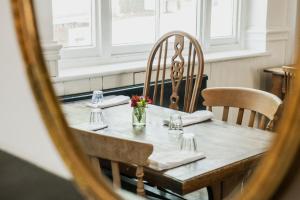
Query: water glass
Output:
(175,124)
(96,117)
(97,97)
(188,142)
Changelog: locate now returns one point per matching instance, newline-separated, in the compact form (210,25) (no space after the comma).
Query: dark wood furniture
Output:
(257,101)
(230,150)
(289,76)
(182,61)
(279,79)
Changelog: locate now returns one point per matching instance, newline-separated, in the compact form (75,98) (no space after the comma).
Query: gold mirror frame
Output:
(262,185)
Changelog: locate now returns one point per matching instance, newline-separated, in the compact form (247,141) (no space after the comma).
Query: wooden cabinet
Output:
(277,87)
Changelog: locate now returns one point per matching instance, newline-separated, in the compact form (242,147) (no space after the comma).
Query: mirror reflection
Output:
(171,99)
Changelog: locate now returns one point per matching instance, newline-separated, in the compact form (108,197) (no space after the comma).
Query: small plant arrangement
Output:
(139,104)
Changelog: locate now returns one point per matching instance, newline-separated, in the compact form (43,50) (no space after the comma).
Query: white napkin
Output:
(89,127)
(110,102)
(193,118)
(170,159)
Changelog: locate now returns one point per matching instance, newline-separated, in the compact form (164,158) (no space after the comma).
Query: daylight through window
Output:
(110,27)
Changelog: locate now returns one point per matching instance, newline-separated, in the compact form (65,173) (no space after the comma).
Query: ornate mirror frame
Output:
(262,185)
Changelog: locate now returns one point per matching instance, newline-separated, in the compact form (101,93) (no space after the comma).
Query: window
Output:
(133,23)
(140,22)
(109,28)
(74,26)
(136,26)
(178,15)
(223,21)
(72,22)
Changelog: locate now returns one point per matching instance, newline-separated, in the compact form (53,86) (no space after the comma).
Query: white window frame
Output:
(87,51)
(225,43)
(103,52)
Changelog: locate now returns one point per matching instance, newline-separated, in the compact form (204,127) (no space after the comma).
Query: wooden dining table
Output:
(231,151)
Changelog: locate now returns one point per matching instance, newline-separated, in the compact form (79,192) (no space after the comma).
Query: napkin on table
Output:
(89,127)
(193,118)
(170,159)
(109,102)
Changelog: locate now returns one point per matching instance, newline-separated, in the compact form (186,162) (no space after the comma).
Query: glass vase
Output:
(139,117)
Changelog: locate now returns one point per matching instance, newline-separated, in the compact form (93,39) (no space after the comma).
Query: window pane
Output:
(133,21)
(222,18)
(178,15)
(72,21)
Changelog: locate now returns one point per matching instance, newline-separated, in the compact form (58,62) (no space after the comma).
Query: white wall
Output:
(22,132)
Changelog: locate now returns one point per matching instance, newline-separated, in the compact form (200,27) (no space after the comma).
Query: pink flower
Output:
(134,100)
(149,101)
(140,101)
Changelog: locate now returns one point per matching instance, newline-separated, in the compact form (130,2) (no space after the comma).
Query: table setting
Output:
(183,148)
(187,147)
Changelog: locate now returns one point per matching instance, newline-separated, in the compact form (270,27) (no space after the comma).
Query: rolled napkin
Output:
(193,118)
(110,102)
(89,127)
(170,159)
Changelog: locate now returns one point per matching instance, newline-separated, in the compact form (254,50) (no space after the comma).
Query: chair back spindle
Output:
(239,119)
(252,119)
(225,113)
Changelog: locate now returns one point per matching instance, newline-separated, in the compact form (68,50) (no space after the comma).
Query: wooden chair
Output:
(289,75)
(116,150)
(256,101)
(184,61)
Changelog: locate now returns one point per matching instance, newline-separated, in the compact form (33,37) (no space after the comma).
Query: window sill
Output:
(77,73)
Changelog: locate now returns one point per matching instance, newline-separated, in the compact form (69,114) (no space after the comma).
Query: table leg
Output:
(215,191)
(233,185)
(227,188)
(277,82)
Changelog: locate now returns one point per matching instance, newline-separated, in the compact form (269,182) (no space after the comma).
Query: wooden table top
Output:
(228,148)
(275,70)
